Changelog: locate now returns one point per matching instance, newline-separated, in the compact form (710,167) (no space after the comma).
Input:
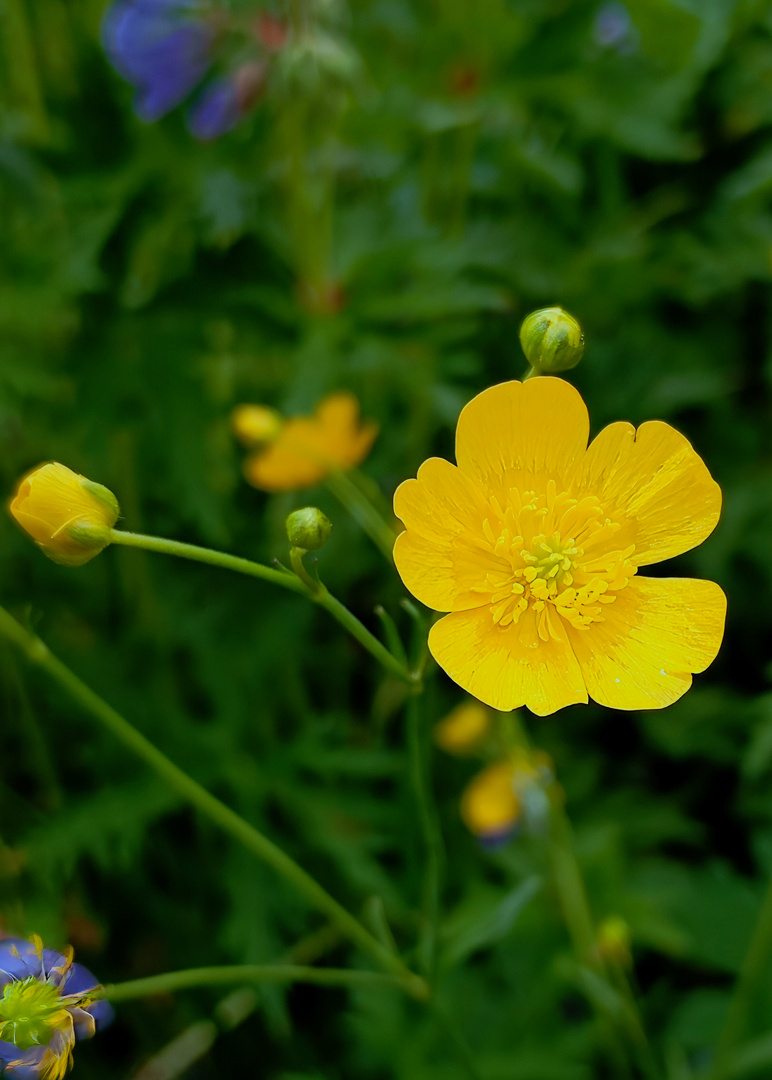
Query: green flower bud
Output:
(552,340)
(308,528)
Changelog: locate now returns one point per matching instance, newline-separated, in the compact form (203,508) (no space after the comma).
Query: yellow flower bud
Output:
(613,941)
(67,515)
(308,529)
(552,340)
(463,729)
(254,425)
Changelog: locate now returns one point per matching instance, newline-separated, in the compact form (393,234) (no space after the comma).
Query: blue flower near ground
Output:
(46,1005)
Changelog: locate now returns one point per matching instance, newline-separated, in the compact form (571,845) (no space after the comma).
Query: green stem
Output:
(244,973)
(431,835)
(354,500)
(569,885)
(217,812)
(570,888)
(456,1040)
(754,969)
(285,580)
(530,373)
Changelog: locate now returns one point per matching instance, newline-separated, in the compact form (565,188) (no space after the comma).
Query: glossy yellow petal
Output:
(653,481)
(67,515)
(489,803)
(442,558)
(654,636)
(522,435)
(507,667)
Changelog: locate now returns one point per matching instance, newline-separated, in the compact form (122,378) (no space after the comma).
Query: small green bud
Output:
(552,340)
(308,528)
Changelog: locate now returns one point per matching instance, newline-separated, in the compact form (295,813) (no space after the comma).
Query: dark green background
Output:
(460,163)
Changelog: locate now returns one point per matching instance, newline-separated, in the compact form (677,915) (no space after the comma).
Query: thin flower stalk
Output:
(320,595)
(245,973)
(216,811)
(361,509)
(419,751)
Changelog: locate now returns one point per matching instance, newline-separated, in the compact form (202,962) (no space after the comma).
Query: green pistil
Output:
(30,1012)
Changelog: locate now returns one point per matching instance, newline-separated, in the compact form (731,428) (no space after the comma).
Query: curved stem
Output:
(754,968)
(285,580)
(244,973)
(217,812)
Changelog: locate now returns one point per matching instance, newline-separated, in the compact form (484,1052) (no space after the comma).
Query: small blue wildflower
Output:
(163,47)
(216,111)
(614,28)
(225,101)
(46,1005)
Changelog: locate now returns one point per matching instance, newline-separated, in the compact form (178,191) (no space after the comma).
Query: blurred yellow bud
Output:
(254,425)
(308,528)
(552,340)
(68,516)
(613,942)
(489,806)
(463,729)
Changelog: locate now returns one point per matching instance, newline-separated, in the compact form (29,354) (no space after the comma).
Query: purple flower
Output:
(216,111)
(163,47)
(46,1005)
(225,101)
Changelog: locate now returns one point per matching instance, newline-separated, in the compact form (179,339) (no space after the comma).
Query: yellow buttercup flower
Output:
(463,729)
(490,806)
(308,448)
(509,793)
(68,516)
(533,543)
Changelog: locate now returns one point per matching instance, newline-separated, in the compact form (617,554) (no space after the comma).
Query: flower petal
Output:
(79,980)
(103,1013)
(507,667)
(443,556)
(655,634)
(515,433)
(653,480)
(294,461)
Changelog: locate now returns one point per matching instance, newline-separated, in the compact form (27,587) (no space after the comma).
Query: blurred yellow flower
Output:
(533,542)
(67,515)
(463,729)
(509,793)
(308,448)
(490,806)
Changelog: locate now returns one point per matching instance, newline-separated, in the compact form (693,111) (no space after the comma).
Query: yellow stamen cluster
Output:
(31,1012)
(552,553)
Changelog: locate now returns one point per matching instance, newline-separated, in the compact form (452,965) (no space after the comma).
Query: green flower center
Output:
(30,1012)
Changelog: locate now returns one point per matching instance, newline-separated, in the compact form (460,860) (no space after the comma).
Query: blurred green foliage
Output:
(419,176)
